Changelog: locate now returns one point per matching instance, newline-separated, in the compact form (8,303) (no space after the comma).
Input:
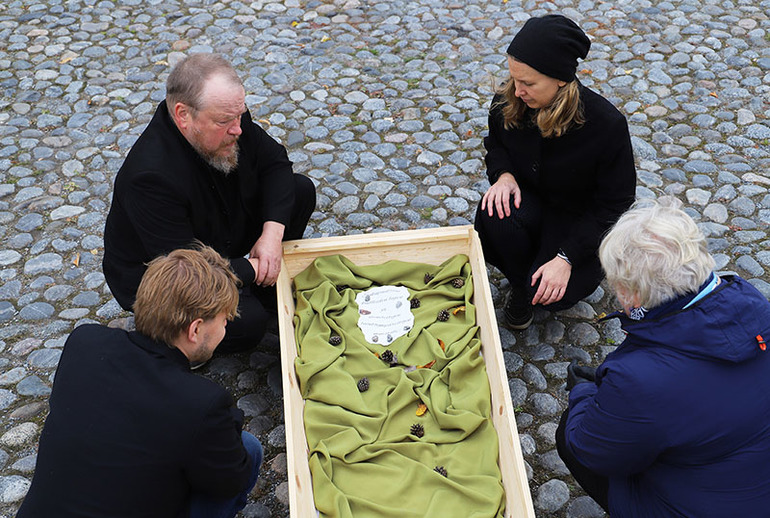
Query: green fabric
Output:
(364,461)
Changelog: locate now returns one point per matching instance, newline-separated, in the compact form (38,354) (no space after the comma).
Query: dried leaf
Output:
(427,365)
(458,310)
(376,354)
(76,261)
(421,409)
(294,23)
(325,38)
(713,94)
(441,344)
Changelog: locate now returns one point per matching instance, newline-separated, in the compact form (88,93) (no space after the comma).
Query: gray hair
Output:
(655,252)
(186,81)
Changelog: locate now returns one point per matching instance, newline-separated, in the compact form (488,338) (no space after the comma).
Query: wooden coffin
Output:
(431,246)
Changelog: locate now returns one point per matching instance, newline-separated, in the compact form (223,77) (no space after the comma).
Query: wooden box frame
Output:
(431,246)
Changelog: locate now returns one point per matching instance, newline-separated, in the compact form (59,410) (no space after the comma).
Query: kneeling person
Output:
(131,431)
(202,170)
(675,421)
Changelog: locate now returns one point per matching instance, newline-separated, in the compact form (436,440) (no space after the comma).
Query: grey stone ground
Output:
(383,104)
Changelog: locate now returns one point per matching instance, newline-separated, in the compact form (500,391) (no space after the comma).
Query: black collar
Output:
(159,349)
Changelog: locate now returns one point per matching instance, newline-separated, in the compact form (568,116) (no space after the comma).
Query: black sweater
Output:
(166,196)
(585,179)
(132,432)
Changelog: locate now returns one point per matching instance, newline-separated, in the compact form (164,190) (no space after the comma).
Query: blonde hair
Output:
(181,287)
(563,112)
(656,252)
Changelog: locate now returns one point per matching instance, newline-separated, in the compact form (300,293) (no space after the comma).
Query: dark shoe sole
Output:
(518,325)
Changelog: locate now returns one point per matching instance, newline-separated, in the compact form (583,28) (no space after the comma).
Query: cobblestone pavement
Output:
(384,104)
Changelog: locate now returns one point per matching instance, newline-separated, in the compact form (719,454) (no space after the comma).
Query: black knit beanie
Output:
(551,45)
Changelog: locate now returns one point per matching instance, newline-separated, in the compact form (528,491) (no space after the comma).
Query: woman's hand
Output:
(554,276)
(499,196)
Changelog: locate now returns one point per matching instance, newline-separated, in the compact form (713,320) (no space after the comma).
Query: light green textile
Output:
(364,461)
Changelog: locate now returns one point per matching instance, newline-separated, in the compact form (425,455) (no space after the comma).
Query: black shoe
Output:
(518,311)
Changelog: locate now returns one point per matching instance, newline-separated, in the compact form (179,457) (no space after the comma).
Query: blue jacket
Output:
(679,417)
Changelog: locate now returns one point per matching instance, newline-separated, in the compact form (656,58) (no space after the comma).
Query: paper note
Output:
(384,314)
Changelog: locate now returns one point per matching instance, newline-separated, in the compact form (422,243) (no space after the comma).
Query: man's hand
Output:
(268,252)
(498,197)
(554,276)
(579,374)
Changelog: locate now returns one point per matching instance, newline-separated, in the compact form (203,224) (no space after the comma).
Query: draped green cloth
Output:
(364,461)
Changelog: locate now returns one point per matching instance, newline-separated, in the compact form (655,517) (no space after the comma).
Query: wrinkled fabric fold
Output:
(364,460)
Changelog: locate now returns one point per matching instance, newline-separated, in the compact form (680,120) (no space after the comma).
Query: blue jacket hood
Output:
(731,320)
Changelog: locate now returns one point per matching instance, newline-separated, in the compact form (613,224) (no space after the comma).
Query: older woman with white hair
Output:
(676,421)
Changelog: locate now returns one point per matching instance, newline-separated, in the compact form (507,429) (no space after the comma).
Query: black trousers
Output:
(520,244)
(596,486)
(256,304)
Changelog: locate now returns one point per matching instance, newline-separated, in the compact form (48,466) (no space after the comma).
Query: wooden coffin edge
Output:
(429,246)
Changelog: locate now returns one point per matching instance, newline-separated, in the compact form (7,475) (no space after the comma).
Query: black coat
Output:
(166,196)
(132,432)
(585,178)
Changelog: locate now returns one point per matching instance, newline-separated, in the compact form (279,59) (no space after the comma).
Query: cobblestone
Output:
(384,105)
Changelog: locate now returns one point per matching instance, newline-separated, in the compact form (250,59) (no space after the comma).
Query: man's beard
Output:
(223,163)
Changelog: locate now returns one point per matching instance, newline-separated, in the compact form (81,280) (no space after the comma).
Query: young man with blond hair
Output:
(131,431)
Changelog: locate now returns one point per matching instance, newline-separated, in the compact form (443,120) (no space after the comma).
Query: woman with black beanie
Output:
(561,169)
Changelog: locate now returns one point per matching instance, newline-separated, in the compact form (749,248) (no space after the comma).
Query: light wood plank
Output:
(300,483)
(425,245)
(518,499)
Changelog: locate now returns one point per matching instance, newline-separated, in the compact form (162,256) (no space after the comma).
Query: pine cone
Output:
(417,430)
(443,315)
(363,384)
(428,277)
(458,282)
(387,356)
(414,303)
(441,470)
(335,340)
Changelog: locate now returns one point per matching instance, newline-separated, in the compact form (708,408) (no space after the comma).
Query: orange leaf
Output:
(713,94)
(441,344)
(76,261)
(376,354)
(458,310)
(427,365)
(421,409)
